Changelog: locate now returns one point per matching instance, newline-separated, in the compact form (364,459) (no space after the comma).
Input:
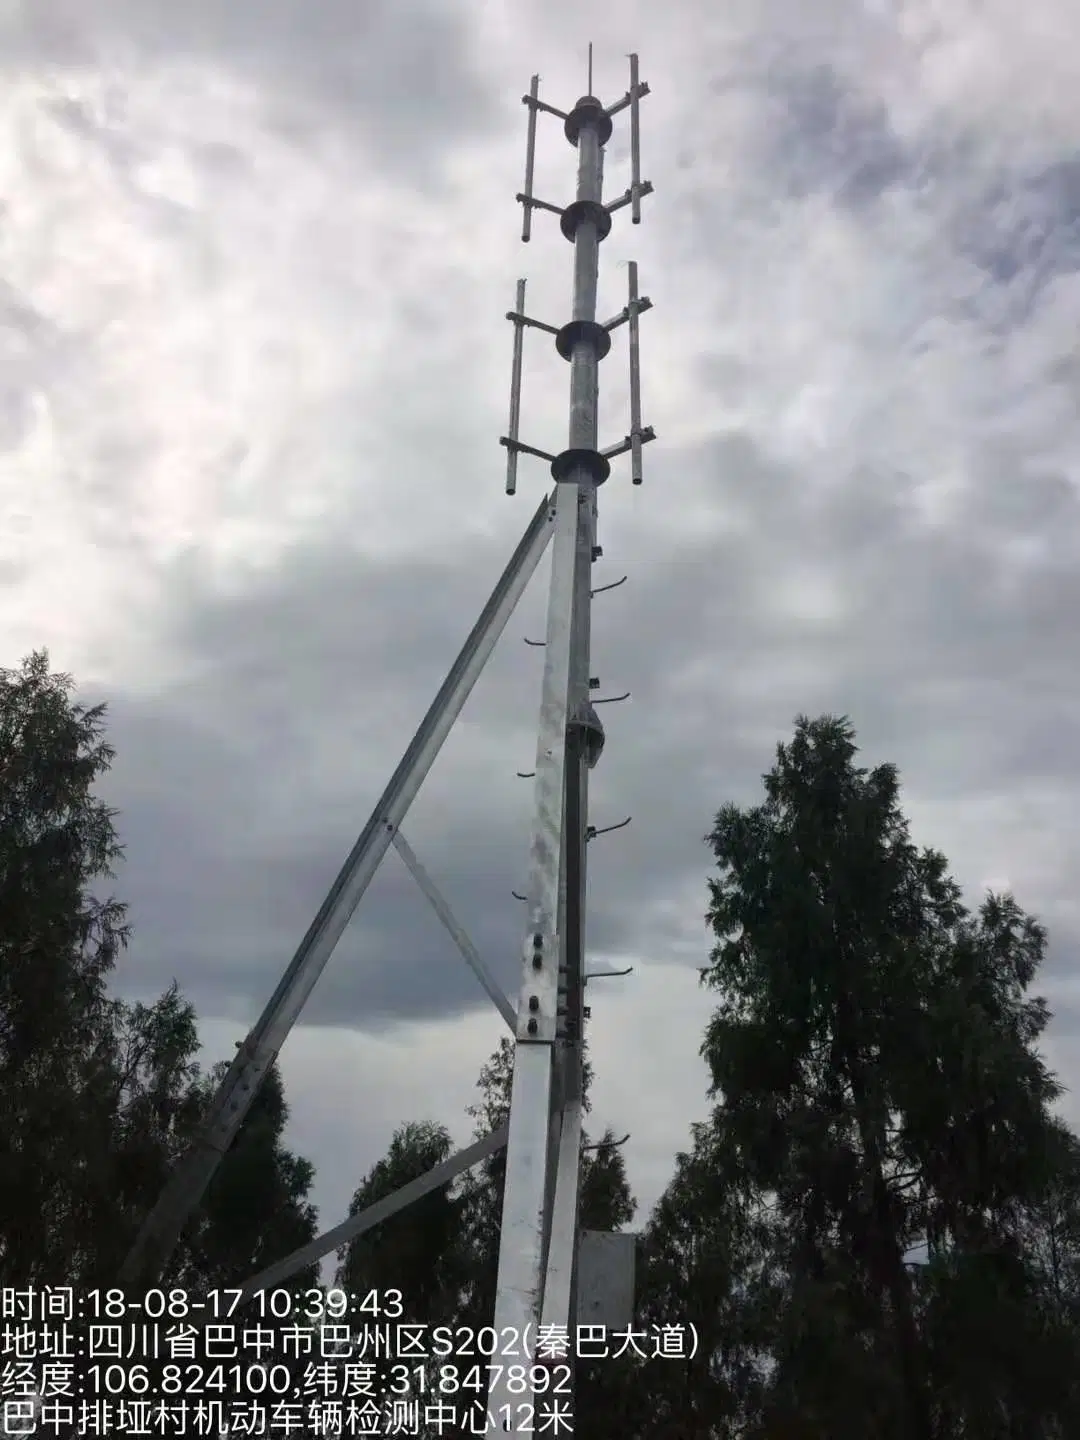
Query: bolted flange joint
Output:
(596,466)
(575,331)
(580,211)
(588,111)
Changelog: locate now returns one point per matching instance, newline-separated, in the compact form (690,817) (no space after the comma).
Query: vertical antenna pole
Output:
(588,88)
(515,382)
(635,147)
(538,1234)
(536,1300)
(635,379)
(530,161)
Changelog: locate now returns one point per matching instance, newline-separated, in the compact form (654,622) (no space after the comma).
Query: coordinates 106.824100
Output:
(311,1305)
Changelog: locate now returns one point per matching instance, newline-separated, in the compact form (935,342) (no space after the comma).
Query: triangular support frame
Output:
(187,1185)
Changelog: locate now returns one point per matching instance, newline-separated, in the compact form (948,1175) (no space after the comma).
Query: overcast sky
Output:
(255,261)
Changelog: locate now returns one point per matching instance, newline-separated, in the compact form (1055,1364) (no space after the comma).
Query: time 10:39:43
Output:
(333,1304)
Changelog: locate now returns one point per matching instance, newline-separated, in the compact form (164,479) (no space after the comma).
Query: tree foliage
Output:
(442,1252)
(875,1233)
(420,1251)
(884,1118)
(58,943)
(101,1096)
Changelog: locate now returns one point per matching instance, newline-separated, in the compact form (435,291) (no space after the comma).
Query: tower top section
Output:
(583,341)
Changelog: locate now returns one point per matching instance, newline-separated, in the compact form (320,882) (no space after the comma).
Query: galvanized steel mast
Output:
(540,1241)
(536,1299)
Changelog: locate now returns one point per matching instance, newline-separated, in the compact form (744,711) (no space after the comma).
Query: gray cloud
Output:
(269,758)
(408,79)
(824,135)
(252,369)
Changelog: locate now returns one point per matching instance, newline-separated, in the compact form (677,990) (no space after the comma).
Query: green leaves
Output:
(256,1209)
(58,944)
(422,1250)
(100,1096)
(878,1089)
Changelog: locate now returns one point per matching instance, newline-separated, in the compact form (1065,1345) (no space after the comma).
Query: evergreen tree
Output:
(879,1089)
(140,1111)
(257,1208)
(58,943)
(708,1261)
(100,1096)
(442,1251)
(419,1251)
